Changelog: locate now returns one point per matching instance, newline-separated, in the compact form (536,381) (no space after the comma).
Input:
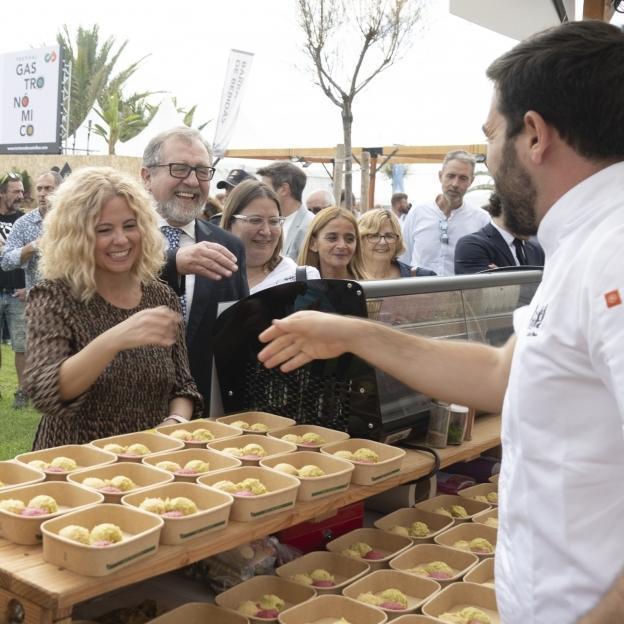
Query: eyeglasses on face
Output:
(182,170)
(444,237)
(375,238)
(255,221)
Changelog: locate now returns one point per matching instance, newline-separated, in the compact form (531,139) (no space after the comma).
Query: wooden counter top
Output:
(26,576)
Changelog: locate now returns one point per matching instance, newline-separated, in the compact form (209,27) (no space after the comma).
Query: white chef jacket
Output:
(421,235)
(561,525)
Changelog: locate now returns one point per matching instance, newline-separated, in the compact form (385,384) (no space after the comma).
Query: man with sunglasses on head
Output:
(432,230)
(319,200)
(205,265)
(12,284)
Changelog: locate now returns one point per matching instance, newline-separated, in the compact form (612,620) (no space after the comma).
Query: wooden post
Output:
(364,180)
(338,169)
(373,176)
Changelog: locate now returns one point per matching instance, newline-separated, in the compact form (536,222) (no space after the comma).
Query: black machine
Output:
(346,393)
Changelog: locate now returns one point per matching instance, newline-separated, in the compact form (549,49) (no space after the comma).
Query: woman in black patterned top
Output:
(106,353)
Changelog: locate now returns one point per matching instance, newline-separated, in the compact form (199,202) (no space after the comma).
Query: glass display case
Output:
(346,393)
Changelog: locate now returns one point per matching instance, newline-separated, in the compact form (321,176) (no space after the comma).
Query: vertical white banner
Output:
(239,64)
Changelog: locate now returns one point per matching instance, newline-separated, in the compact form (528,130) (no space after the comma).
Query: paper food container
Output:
(15,474)
(412,618)
(271,447)
(467,531)
(213,510)
(482,489)
(458,560)
(255,588)
(336,479)
(458,596)
(141,533)
(482,573)
(142,476)
(216,462)
(200,613)
(408,515)
(329,609)
(389,464)
(218,430)
(344,569)
(328,436)
(281,494)
(26,529)
(486,517)
(270,421)
(387,545)
(494,478)
(416,590)
(84,455)
(155,442)
(446,501)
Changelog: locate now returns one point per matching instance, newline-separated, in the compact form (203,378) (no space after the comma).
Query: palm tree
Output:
(93,63)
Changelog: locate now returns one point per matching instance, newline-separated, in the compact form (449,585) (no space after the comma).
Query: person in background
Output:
(400,206)
(212,211)
(319,200)
(288,182)
(252,212)
(494,246)
(558,165)
(382,243)
(106,350)
(236,176)
(22,246)
(332,245)
(12,283)
(432,230)
(204,265)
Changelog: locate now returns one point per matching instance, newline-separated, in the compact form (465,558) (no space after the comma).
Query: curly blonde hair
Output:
(322,219)
(68,241)
(372,221)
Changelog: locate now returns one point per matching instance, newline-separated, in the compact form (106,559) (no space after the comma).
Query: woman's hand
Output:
(155,326)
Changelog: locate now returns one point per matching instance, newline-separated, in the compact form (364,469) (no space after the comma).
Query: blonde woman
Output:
(382,243)
(106,352)
(332,245)
(252,212)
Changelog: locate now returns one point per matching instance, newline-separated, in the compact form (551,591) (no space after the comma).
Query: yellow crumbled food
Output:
(292,437)
(400,530)
(240,424)
(357,550)
(481,545)
(182,504)
(169,466)
(419,529)
(154,505)
(123,483)
(259,428)
(311,471)
(75,533)
(197,465)
(457,511)
(366,455)
(248,608)
(253,449)
(302,579)
(255,486)
(481,498)
(492,522)
(182,434)
(234,451)
(225,486)
(341,621)
(492,497)
(45,502)
(94,482)
(286,468)
(271,601)
(137,449)
(434,569)
(344,455)
(202,435)
(462,544)
(12,505)
(64,463)
(39,464)
(321,575)
(118,449)
(370,598)
(468,615)
(312,438)
(394,595)
(106,532)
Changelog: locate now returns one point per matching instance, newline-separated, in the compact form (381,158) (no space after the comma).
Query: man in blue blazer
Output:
(495,246)
(205,264)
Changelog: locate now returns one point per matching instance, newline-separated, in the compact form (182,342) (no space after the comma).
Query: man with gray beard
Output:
(205,265)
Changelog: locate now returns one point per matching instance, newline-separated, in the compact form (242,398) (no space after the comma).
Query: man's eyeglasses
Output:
(182,170)
(274,223)
(444,237)
(375,238)
(10,176)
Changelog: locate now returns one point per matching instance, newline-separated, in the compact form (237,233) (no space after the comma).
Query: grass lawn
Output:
(17,427)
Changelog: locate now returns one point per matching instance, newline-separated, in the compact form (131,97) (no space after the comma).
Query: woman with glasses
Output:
(382,243)
(106,349)
(252,212)
(332,245)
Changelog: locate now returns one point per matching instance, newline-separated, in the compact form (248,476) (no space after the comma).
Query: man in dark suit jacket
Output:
(208,265)
(495,246)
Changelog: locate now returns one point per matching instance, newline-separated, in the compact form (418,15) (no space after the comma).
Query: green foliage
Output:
(18,426)
(189,114)
(485,184)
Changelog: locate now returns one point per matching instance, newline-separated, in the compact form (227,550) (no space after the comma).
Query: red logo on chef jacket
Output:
(613,298)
